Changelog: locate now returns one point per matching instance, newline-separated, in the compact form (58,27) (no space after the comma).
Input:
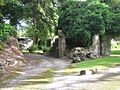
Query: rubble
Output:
(79,54)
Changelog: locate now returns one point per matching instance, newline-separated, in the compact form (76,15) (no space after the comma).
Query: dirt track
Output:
(39,68)
(105,80)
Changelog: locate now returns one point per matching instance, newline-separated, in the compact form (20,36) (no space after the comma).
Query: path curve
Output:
(47,62)
(105,80)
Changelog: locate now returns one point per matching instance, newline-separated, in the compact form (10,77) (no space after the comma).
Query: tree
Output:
(112,26)
(70,21)
(40,16)
(43,19)
(82,20)
(6,30)
(13,11)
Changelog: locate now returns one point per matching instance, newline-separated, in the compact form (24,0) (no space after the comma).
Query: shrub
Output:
(33,48)
(45,49)
(6,31)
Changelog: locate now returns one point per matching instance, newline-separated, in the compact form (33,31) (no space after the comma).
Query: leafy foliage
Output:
(113,26)
(71,22)
(81,20)
(33,48)
(40,16)
(42,19)
(5,31)
(45,49)
(10,10)
(13,11)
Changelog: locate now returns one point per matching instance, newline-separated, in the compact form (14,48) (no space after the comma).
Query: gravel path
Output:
(47,62)
(105,80)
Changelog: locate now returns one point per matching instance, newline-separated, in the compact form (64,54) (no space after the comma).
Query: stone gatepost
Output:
(95,48)
(61,44)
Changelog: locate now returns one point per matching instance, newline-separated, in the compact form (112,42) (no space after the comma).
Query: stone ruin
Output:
(79,54)
(11,56)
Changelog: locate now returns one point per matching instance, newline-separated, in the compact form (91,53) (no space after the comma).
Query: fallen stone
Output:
(89,71)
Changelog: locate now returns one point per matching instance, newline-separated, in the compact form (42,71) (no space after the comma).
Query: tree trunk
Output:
(105,47)
(95,48)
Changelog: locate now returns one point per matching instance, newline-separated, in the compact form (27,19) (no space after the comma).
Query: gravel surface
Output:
(105,80)
(47,62)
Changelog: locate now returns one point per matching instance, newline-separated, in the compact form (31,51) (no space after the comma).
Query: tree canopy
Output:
(42,19)
(39,15)
(82,20)
(7,12)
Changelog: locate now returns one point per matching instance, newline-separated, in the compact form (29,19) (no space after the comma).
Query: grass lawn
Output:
(117,52)
(101,63)
(115,47)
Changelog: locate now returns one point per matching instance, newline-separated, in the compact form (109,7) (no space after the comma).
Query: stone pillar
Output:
(61,44)
(95,48)
(105,46)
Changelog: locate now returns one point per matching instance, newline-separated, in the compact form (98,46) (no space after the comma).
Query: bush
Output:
(3,37)
(6,31)
(45,49)
(33,48)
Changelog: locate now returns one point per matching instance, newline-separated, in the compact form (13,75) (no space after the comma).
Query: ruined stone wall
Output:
(61,43)
(11,56)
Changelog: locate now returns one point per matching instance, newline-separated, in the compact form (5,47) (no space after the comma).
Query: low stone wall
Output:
(79,54)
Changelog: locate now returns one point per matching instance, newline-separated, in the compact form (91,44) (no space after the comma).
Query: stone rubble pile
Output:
(79,54)
(11,56)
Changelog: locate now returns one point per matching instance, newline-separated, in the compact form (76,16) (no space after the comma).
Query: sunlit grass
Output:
(35,52)
(115,52)
(101,63)
(115,47)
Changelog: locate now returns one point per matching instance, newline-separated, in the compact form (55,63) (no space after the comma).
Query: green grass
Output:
(113,52)
(115,47)
(101,63)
